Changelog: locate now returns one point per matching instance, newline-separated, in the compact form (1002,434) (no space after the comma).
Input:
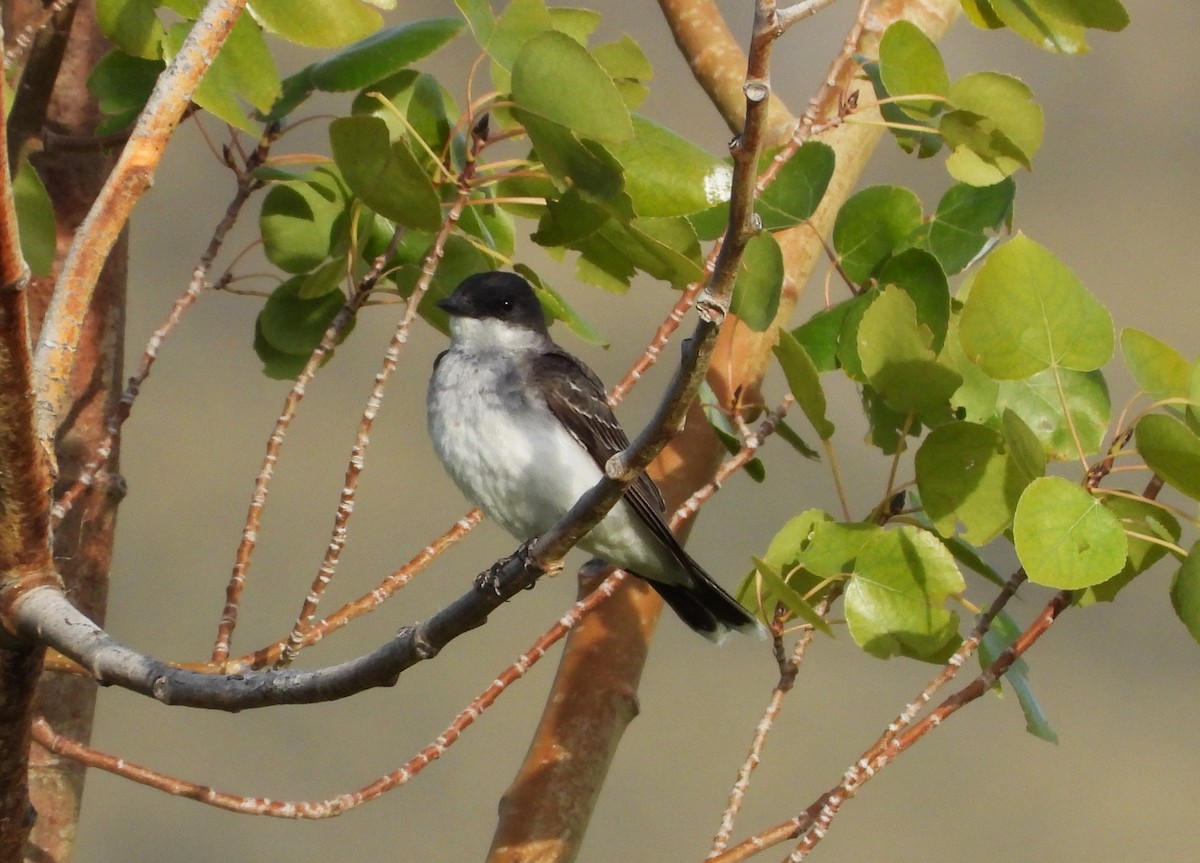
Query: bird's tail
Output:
(706,607)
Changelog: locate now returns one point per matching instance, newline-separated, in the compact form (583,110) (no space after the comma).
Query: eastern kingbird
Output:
(524,430)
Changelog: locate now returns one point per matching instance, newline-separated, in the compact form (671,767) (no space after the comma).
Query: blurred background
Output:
(1113,194)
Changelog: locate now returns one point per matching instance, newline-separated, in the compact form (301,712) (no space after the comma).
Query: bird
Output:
(524,429)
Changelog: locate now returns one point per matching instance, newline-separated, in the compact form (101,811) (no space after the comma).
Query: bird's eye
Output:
(506,304)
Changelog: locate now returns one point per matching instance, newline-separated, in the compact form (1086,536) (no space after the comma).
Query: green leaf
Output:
(897,356)
(382,54)
(798,188)
(35,219)
(585,166)
(821,334)
(1028,312)
(132,26)
(910,64)
(919,275)
(895,600)
(626,64)
(317,23)
(981,14)
(1159,369)
(1097,14)
(385,176)
(958,231)
(759,283)
(995,128)
(121,85)
(1037,401)
(834,547)
(804,383)
(726,432)
(1137,516)
(1001,635)
(789,543)
(976,398)
(1185,592)
(552,64)
(777,590)
(966,472)
(294,325)
(789,436)
(520,21)
(1065,538)
(870,226)
(244,69)
(1032,20)
(1172,451)
(925,139)
(666,175)
(298,220)
(579,24)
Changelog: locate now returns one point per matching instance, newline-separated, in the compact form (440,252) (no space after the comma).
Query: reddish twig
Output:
(391,359)
(247,184)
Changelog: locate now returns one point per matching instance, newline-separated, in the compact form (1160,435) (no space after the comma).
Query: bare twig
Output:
(429,265)
(247,184)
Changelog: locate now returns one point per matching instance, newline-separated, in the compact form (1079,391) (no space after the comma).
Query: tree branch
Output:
(128,181)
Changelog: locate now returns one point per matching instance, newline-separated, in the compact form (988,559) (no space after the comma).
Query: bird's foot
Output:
(493,579)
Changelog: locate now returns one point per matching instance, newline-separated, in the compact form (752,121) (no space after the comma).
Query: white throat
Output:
(490,334)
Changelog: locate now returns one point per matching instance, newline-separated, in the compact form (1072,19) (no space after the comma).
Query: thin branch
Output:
(391,359)
(130,178)
(247,184)
(789,669)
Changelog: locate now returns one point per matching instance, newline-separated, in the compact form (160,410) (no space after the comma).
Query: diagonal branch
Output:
(130,178)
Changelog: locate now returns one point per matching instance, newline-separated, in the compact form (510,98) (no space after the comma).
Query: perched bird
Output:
(524,430)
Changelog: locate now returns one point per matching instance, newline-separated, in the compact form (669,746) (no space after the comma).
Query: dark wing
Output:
(576,397)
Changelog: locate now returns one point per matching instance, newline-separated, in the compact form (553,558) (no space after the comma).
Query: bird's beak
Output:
(452,305)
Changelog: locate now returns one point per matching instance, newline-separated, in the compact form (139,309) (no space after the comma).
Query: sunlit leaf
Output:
(1172,450)
(1027,312)
(957,232)
(910,64)
(895,602)
(966,473)
(1159,369)
(323,24)
(1064,537)
(1040,403)
(132,25)
(995,128)
(897,357)
(667,175)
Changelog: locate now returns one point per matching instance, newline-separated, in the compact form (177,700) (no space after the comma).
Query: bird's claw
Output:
(492,581)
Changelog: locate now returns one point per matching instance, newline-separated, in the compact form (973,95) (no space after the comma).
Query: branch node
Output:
(756,90)
(710,309)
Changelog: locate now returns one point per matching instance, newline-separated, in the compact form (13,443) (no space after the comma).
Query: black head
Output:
(502,296)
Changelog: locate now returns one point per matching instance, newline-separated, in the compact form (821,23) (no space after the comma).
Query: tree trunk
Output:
(73,171)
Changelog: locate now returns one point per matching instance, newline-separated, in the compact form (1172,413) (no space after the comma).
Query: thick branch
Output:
(129,180)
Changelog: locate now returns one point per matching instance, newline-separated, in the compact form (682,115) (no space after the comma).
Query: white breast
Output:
(520,465)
